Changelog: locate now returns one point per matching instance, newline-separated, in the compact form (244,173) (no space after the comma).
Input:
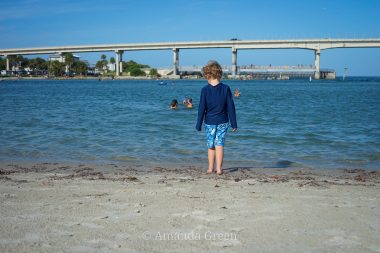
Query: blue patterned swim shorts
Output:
(216,134)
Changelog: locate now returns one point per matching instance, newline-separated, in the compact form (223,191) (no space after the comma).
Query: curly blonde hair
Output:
(212,70)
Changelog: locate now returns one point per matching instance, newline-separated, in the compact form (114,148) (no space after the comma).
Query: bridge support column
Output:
(121,62)
(234,62)
(175,61)
(7,62)
(317,74)
(117,68)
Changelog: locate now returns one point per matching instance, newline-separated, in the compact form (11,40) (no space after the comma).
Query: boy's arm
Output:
(201,110)
(231,110)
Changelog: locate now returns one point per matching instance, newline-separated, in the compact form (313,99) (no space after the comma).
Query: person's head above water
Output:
(212,70)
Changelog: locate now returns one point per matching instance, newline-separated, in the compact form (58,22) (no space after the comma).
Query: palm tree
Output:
(104,62)
(69,60)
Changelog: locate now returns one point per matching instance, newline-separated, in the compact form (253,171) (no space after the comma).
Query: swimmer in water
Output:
(237,93)
(189,102)
(174,104)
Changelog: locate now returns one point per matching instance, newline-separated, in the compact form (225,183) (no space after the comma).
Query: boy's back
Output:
(216,106)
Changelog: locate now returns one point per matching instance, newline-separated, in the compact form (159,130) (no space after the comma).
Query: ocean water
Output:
(295,123)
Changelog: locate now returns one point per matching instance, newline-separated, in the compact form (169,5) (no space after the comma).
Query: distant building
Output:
(111,66)
(164,71)
(61,57)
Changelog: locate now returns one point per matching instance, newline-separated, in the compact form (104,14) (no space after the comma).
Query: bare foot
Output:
(219,172)
(210,171)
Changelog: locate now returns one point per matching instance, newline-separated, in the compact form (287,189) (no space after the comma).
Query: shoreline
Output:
(348,176)
(143,165)
(50,207)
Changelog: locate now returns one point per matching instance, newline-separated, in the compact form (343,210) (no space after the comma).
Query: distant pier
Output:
(265,72)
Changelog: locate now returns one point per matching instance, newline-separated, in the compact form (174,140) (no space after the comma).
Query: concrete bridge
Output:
(316,45)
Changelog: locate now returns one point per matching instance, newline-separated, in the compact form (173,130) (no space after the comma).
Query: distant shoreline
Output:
(79,78)
(160,78)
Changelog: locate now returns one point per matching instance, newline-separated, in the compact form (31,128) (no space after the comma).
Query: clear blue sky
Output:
(33,23)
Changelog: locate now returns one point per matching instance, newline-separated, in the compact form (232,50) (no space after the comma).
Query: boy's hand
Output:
(234,129)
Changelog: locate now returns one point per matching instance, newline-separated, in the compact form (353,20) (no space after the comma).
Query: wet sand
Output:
(112,208)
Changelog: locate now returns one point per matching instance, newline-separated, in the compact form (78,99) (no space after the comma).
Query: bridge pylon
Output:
(234,62)
(317,74)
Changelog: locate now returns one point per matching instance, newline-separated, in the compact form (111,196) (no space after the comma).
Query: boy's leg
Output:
(219,150)
(210,134)
(219,146)
(211,159)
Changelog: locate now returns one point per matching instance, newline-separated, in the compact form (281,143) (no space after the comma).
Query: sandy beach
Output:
(111,208)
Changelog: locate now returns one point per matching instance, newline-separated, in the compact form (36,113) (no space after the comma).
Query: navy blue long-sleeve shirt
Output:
(216,106)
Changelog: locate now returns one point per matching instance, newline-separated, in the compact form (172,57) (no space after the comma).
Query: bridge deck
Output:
(311,44)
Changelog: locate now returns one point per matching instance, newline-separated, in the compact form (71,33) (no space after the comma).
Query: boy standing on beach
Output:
(217,108)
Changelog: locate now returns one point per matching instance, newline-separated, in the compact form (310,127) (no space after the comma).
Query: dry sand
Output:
(81,208)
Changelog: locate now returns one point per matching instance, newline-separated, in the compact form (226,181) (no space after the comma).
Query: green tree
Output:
(136,72)
(99,65)
(18,61)
(131,66)
(112,60)
(102,64)
(153,72)
(80,67)
(2,63)
(69,60)
(38,64)
(24,62)
(56,68)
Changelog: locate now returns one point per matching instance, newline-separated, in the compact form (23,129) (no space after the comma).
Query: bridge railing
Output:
(259,69)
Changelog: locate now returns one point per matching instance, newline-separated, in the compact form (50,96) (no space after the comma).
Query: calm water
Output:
(326,124)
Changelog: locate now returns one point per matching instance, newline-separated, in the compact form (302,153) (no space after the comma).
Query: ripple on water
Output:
(184,151)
